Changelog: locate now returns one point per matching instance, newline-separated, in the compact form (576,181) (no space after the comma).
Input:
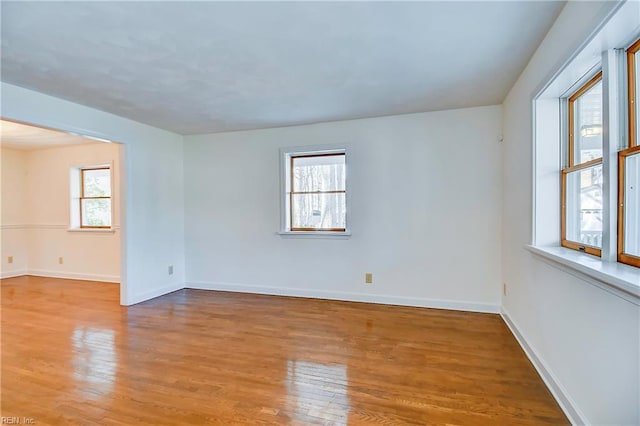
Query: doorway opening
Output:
(61,205)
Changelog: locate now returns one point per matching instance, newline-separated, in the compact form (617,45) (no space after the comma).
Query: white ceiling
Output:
(200,67)
(29,138)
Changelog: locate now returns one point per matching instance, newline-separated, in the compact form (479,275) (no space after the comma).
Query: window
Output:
(629,169)
(315,191)
(94,202)
(586,208)
(582,178)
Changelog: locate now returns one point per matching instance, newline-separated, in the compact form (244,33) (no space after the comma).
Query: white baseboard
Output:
(12,274)
(152,294)
(73,275)
(571,410)
(346,296)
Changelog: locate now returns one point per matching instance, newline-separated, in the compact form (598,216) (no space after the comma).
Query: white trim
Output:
(12,274)
(613,133)
(590,40)
(152,294)
(348,296)
(534,168)
(315,234)
(616,278)
(73,275)
(94,230)
(568,406)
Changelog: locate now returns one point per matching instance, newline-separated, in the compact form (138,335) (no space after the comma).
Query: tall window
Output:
(316,191)
(581,224)
(95,197)
(629,169)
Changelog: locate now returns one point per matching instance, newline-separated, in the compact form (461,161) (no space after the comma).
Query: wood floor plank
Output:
(71,355)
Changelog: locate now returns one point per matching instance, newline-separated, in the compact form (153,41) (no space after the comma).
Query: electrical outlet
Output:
(170,269)
(10,259)
(60,260)
(368,278)
(504,289)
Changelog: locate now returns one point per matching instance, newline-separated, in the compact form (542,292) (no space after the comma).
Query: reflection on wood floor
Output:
(72,355)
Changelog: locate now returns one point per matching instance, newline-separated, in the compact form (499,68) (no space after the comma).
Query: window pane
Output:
(96,212)
(317,211)
(97,183)
(637,85)
(321,173)
(584,206)
(588,125)
(632,205)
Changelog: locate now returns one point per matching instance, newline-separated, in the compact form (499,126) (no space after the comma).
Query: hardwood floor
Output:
(72,355)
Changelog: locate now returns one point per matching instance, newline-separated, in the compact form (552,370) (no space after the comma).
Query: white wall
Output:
(153,211)
(587,338)
(14,239)
(425,192)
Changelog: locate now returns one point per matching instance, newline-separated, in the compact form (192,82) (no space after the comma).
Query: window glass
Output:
(96,212)
(319,173)
(97,183)
(318,211)
(632,205)
(588,125)
(584,206)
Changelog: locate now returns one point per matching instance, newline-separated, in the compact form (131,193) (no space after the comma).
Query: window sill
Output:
(317,234)
(93,230)
(617,278)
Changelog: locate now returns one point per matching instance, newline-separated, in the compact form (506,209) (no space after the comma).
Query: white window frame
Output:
(605,49)
(285,168)
(75,181)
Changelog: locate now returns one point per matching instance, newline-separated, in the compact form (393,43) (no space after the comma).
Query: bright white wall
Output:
(153,211)
(13,184)
(425,213)
(87,255)
(587,338)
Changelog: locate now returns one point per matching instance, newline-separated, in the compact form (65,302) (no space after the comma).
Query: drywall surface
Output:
(13,184)
(425,212)
(152,211)
(88,254)
(587,338)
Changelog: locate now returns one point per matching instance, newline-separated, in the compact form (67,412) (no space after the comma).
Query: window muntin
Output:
(582,183)
(317,192)
(629,169)
(95,197)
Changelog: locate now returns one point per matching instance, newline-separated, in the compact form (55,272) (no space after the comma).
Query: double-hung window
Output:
(582,177)
(584,209)
(315,191)
(629,168)
(586,160)
(94,203)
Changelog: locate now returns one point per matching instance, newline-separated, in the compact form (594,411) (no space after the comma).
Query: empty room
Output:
(320,213)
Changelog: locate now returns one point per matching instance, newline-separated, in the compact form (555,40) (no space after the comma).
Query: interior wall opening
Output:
(61,204)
